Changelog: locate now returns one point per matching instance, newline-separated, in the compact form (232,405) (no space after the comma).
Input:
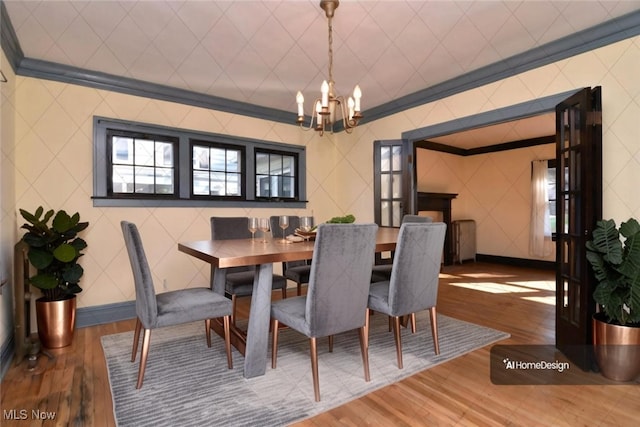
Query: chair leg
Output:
(398,337)
(274,344)
(364,349)
(136,338)
(366,325)
(314,367)
(207,331)
(284,293)
(299,289)
(413,323)
(434,328)
(143,356)
(227,340)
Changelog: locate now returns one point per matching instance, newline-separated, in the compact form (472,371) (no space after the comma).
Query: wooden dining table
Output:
(223,254)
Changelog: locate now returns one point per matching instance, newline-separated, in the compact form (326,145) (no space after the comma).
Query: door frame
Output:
(523,110)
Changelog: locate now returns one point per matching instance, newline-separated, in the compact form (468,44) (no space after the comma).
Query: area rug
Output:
(188,384)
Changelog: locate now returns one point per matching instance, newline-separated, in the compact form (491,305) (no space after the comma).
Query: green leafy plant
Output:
(616,264)
(54,251)
(347,219)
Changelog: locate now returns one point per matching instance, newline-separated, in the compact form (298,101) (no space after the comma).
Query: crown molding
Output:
(601,35)
(609,32)
(8,40)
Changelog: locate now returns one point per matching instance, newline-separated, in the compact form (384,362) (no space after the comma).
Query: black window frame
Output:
(296,173)
(184,196)
(156,137)
(243,169)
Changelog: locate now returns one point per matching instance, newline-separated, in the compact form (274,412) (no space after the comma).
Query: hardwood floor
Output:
(74,385)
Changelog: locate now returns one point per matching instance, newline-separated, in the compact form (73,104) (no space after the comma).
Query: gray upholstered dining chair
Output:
(336,299)
(168,308)
(239,280)
(413,285)
(296,271)
(382,272)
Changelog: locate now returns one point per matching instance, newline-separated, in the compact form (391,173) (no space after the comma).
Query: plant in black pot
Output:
(614,255)
(54,250)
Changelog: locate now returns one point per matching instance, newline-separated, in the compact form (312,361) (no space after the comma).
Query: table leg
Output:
(255,358)
(218,279)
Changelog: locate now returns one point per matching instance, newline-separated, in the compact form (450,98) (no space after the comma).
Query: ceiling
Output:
(263,52)
(516,130)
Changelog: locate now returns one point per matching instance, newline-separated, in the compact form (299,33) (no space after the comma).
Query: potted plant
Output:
(54,250)
(616,328)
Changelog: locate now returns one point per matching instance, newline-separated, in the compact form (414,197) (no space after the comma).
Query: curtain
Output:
(540,223)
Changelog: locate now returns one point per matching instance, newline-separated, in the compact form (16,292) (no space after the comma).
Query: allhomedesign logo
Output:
(534,365)
(540,365)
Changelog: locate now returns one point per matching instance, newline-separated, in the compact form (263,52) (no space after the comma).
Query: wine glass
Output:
(263,225)
(283,221)
(253,227)
(306,223)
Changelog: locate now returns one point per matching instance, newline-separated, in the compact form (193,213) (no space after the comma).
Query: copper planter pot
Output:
(617,349)
(56,321)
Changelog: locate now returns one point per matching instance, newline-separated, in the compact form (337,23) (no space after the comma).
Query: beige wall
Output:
(493,189)
(614,67)
(52,148)
(53,152)
(8,231)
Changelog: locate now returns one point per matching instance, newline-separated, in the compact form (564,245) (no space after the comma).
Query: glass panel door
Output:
(390,183)
(578,207)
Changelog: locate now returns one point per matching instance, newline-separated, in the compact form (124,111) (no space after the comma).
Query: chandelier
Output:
(329,105)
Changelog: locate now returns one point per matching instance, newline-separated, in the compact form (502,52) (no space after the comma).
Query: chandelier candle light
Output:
(327,106)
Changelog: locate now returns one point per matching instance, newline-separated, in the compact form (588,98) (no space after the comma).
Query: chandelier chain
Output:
(330,51)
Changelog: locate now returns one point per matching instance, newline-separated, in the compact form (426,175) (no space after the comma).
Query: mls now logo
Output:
(23,414)
(15,414)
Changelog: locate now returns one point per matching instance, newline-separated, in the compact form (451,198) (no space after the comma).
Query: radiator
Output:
(464,240)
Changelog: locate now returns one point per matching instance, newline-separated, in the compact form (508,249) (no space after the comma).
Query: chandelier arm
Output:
(314,115)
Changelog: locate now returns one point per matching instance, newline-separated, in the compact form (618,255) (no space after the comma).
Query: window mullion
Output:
(184,165)
(250,173)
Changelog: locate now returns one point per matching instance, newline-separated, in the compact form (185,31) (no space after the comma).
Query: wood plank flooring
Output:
(74,385)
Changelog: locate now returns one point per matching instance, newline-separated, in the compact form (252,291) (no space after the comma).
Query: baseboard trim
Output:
(107,313)
(6,355)
(517,262)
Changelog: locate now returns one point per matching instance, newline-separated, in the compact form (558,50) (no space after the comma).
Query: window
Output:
(141,165)
(217,170)
(551,194)
(275,175)
(137,164)
(389,170)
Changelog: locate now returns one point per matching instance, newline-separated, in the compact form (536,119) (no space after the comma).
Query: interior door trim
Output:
(530,108)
